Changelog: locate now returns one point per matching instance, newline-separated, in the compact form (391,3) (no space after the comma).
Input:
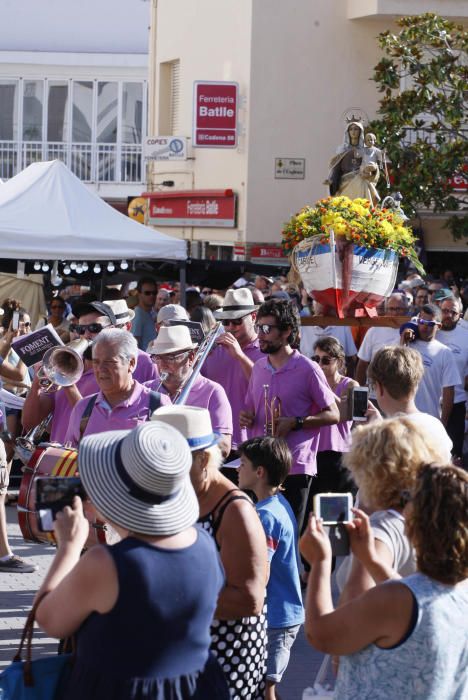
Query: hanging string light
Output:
(97,268)
(37,265)
(110,266)
(66,269)
(45,267)
(124,265)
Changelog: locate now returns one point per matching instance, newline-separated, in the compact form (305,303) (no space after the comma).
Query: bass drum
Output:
(52,460)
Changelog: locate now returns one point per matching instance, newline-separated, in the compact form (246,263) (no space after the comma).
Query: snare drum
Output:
(49,460)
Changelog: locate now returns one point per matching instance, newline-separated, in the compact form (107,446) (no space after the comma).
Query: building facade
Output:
(300,67)
(73,86)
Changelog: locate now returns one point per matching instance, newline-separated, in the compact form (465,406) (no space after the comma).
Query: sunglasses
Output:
(233,321)
(90,327)
(177,357)
(57,307)
(264,328)
(150,294)
(431,324)
(26,324)
(322,360)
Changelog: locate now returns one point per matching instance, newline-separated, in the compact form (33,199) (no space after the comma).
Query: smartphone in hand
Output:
(53,493)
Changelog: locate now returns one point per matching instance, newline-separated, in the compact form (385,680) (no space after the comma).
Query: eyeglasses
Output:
(450,312)
(90,327)
(322,360)
(25,323)
(264,328)
(57,307)
(233,321)
(431,324)
(176,357)
(150,294)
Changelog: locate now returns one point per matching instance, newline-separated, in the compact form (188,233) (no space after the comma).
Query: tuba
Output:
(62,366)
(272,411)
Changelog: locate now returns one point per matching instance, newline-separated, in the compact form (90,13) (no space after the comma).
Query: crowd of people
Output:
(202,596)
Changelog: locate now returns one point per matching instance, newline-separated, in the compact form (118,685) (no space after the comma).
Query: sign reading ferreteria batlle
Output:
(208,208)
(215,114)
(31,348)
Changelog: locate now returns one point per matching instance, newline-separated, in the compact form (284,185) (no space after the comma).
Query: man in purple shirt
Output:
(93,317)
(289,391)
(230,363)
(122,402)
(174,353)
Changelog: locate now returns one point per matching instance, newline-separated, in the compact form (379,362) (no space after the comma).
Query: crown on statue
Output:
(353,118)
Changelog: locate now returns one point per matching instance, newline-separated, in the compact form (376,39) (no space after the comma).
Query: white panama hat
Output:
(172,312)
(172,339)
(237,303)
(140,479)
(194,423)
(121,311)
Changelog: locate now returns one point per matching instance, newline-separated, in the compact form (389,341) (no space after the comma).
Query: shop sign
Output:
(207,208)
(165,148)
(215,114)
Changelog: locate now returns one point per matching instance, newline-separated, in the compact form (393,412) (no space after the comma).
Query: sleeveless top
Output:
(429,664)
(154,643)
(240,646)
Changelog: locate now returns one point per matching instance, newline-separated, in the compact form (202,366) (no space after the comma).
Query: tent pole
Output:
(103,284)
(183,281)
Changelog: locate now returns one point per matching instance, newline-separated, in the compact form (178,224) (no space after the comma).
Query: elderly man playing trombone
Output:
(175,356)
(122,402)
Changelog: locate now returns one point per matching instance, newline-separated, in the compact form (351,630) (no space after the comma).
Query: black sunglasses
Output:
(264,328)
(232,321)
(150,294)
(90,327)
(322,360)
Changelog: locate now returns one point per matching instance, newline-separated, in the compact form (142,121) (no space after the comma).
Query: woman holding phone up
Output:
(406,638)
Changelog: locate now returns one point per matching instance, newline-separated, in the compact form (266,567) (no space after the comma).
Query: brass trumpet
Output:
(272,411)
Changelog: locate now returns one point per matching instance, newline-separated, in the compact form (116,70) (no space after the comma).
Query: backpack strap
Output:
(154,403)
(87,414)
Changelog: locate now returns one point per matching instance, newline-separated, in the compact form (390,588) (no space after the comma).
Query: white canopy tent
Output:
(46,213)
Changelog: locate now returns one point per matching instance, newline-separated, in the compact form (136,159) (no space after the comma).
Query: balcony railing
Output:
(102,162)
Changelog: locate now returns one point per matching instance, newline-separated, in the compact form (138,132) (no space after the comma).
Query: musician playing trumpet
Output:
(174,354)
(289,396)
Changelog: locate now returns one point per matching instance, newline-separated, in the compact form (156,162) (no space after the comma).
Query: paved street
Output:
(17,591)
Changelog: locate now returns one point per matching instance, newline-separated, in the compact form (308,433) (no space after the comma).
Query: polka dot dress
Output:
(241,648)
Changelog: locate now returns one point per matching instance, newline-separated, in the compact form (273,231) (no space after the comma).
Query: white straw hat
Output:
(121,311)
(172,312)
(172,339)
(140,479)
(237,303)
(194,423)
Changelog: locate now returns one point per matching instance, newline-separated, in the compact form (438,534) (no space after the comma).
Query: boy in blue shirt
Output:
(264,465)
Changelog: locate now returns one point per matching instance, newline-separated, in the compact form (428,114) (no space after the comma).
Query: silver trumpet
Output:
(62,366)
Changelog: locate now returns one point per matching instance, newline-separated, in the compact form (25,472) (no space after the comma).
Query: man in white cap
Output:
(93,317)
(174,354)
(230,363)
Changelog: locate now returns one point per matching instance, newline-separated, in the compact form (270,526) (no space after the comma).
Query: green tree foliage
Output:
(423,115)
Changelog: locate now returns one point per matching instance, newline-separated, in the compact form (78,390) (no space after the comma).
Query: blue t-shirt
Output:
(143,327)
(284,599)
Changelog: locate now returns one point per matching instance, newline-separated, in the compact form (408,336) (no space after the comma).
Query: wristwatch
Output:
(299,423)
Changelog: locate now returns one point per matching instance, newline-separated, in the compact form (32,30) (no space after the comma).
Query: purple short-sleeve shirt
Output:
(124,416)
(206,394)
(303,390)
(62,410)
(222,368)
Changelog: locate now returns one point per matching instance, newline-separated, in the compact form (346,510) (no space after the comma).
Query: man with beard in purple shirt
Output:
(289,383)
(230,363)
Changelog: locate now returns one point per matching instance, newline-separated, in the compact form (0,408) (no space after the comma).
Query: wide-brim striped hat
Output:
(140,479)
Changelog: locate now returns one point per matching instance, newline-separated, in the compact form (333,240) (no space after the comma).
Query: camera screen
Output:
(334,509)
(359,403)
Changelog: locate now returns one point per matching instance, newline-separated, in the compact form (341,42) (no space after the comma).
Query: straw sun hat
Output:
(194,423)
(140,479)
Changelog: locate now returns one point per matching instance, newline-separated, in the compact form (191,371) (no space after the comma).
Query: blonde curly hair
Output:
(437,522)
(385,458)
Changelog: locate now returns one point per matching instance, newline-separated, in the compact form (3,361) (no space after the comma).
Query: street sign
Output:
(165,148)
(207,208)
(215,114)
(289,168)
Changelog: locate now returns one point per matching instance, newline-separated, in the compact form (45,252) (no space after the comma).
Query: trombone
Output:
(272,411)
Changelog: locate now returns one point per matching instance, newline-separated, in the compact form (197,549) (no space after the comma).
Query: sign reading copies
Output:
(215,114)
(31,348)
(165,148)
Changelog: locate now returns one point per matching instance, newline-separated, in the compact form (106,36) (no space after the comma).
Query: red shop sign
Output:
(216,208)
(215,114)
(266,252)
